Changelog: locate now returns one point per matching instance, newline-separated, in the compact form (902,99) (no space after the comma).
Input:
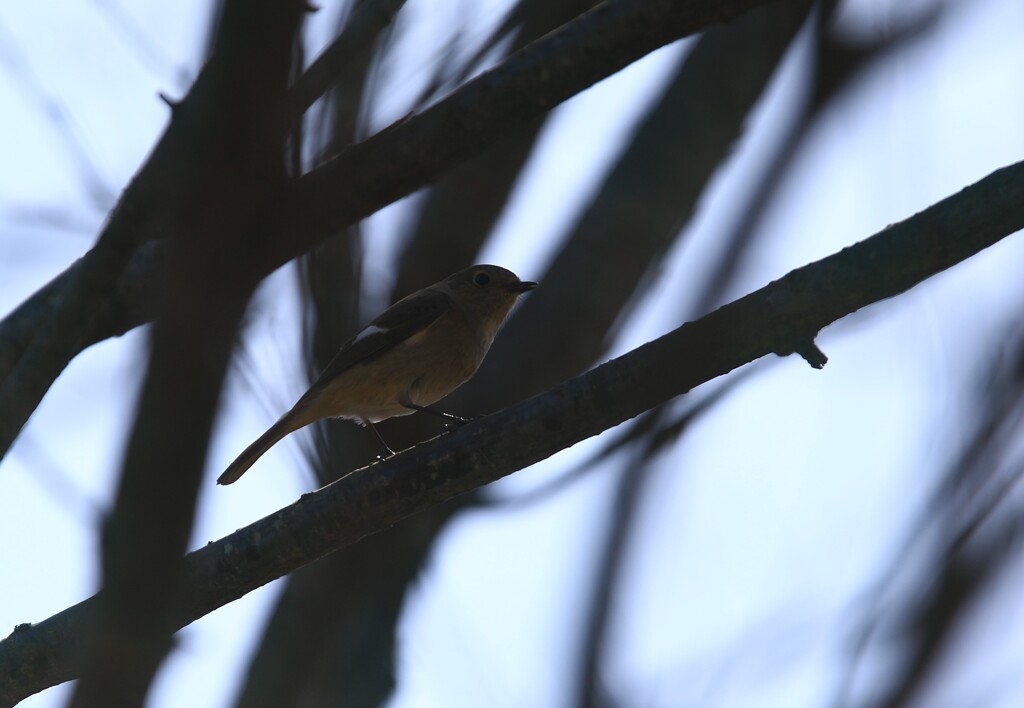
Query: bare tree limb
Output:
(780,318)
(226,202)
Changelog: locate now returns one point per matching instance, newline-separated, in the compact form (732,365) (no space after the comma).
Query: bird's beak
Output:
(521,286)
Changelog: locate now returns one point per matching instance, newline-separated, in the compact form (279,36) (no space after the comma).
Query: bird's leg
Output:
(371,426)
(447,417)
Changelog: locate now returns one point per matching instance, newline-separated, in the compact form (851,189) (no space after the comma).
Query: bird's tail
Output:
(287,423)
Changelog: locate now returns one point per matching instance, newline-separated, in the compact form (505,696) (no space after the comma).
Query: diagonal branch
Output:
(495,105)
(781,317)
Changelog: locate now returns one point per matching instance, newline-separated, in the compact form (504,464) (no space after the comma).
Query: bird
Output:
(414,354)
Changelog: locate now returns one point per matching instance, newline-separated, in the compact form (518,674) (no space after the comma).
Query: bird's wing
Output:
(396,324)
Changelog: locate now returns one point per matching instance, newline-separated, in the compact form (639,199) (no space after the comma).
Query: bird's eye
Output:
(481,279)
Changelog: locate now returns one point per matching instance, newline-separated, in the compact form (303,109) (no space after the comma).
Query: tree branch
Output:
(496,104)
(227,199)
(780,318)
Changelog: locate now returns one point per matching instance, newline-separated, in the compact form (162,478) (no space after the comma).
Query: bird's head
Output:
(487,292)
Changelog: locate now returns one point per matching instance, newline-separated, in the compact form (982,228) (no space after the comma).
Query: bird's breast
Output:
(422,369)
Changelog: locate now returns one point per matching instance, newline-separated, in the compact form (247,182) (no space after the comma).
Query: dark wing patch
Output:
(405,318)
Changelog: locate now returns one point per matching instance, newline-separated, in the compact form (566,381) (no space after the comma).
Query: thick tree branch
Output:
(226,198)
(781,317)
(495,105)
(395,162)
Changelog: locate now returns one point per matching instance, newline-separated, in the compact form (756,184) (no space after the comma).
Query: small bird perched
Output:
(417,352)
